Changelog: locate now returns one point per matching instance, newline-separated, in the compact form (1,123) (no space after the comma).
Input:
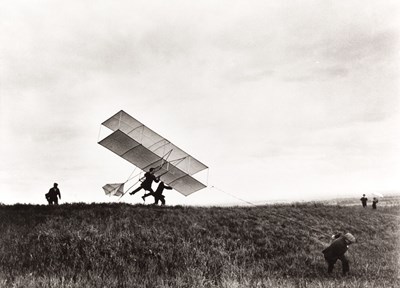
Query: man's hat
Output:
(350,237)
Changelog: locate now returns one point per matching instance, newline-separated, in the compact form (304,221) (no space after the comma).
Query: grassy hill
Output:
(121,245)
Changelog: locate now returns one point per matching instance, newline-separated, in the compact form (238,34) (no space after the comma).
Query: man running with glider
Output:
(147,180)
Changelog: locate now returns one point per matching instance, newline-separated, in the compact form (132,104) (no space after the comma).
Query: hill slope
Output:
(120,245)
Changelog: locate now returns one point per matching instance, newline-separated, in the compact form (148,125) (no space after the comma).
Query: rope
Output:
(213,187)
(275,214)
(300,223)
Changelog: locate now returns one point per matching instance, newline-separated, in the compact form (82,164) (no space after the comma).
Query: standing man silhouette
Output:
(52,195)
(364,201)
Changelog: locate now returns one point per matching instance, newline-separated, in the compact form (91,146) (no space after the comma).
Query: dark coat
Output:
(336,250)
(149,178)
(364,200)
(161,188)
(53,193)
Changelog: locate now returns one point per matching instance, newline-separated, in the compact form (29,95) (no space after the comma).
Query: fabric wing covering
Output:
(144,148)
(116,189)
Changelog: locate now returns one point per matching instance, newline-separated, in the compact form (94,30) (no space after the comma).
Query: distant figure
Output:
(147,180)
(52,195)
(374,202)
(364,201)
(158,193)
(336,251)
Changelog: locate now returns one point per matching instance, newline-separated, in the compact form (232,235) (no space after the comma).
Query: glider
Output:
(145,149)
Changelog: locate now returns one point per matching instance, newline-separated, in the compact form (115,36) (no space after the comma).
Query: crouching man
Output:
(336,251)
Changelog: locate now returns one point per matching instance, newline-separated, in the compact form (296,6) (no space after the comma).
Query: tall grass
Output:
(121,245)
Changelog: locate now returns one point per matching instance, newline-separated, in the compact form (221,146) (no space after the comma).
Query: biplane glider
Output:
(146,149)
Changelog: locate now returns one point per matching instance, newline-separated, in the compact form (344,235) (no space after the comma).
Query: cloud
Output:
(359,46)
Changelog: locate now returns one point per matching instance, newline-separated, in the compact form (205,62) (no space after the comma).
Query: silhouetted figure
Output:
(53,195)
(158,196)
(364,201)
(374,202)
(147,180)
(336,251)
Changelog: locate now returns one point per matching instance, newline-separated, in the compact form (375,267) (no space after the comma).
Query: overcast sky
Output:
(283,100)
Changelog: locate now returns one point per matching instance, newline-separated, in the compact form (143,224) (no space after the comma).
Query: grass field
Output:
(121,245)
